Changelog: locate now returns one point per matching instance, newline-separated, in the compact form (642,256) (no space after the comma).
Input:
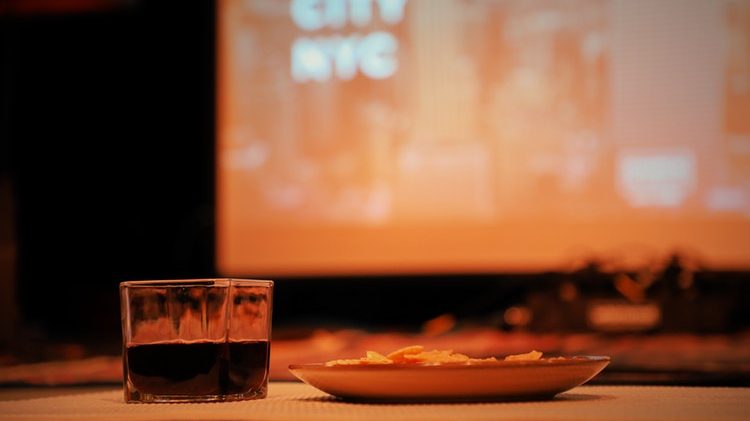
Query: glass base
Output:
(134,396)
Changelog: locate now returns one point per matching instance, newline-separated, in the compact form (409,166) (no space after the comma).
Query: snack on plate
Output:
(371,357)
(529,356)
(415,354)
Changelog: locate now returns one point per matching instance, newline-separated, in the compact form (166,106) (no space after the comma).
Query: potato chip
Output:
(376,358)
(399,354)
(529,356)
(482,360)
(371,357)
(344,362)
(437,357)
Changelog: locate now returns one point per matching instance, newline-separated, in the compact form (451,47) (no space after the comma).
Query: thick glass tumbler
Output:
(196,340)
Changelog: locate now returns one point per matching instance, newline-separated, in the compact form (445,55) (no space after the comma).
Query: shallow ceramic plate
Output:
(501,380)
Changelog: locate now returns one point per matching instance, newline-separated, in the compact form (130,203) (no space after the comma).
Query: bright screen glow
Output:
(464,136)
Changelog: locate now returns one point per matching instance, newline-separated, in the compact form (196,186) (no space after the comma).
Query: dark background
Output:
(107,128)
(107,139)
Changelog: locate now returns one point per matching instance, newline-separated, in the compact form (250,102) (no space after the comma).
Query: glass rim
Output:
(197,282)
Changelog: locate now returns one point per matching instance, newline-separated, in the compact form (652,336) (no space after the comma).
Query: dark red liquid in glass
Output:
(198,368)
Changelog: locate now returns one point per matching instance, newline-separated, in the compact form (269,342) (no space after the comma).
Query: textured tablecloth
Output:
(296,401)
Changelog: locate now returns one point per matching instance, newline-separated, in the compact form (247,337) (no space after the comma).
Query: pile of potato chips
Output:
(415,354)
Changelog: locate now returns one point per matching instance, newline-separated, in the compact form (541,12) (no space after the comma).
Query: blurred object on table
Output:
(674,294)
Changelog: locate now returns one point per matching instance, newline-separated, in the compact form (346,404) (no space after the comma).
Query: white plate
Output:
(501,380)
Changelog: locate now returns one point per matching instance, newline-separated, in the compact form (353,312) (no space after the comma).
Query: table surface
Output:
(297,401)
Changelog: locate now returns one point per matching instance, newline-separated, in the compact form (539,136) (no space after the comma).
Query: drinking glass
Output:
(196,340)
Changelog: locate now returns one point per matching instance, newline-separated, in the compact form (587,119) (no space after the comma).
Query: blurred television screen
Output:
(470,136)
